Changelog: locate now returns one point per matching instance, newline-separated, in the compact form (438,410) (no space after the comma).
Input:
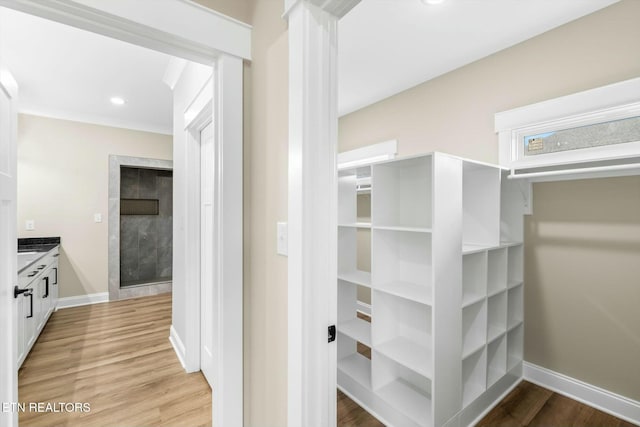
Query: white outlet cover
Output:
(97,217)
(29,224)
(283,239)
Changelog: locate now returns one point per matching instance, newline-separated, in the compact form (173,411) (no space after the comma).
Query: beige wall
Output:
(582,241)
(237,9)
(63,176)
(266,152)
(582,272)
(265,203)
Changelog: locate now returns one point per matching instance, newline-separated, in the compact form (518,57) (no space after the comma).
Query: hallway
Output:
(116,357)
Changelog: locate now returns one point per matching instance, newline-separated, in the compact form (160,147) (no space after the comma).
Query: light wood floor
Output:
(117,357)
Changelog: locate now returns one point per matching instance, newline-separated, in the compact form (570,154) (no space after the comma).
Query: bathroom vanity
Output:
(37,289)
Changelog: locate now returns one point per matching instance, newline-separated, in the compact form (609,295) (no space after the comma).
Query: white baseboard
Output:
(79,300)
(178,347)
(364,308)
(604,400)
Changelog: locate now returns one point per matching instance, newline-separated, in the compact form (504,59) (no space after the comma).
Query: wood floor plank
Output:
(117,357)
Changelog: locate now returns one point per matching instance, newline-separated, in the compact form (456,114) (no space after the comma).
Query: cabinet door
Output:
(53,285)
(21,313)
(39,301)
(30,318)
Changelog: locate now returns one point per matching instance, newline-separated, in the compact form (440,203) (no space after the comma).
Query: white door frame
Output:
(8,233)
(202,35)
(312,212)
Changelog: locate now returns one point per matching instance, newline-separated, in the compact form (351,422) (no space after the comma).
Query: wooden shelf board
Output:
(409,400)
(408,353)
(357,367)
(358,329)
(357,277)
(407,290)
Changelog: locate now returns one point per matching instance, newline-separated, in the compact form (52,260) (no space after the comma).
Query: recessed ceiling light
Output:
(432,2)
(116,100)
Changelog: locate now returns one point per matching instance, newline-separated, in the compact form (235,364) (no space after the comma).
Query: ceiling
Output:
(68,73)
(387,46)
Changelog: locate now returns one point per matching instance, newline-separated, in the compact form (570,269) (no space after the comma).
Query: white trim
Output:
(97,120)
(599,105)
(174,70)
(200,109)
(604,400)
(337,8)
(192,229)
(177,345)
(189,33)
(364,308)
(369,154)
(228,237)
(79,300)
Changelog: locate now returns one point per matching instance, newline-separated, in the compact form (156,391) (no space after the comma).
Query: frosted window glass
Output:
(596,135)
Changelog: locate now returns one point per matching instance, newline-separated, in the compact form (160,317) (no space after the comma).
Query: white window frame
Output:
(613,102)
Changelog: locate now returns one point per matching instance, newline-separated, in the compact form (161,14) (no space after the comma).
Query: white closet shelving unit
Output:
(446,330)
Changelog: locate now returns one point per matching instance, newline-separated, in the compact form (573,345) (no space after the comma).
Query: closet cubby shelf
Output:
(446,259)
(408,353)
(470,248)
(398,228)
(357,367)
(514,283)
(357,329)
(408,291)
(410,400)
(357,277)
(356,225)
(471,299)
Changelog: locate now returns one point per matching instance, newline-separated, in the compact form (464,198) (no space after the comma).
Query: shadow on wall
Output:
(71,279)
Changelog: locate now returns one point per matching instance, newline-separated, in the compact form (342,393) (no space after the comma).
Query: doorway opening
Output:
(140,226)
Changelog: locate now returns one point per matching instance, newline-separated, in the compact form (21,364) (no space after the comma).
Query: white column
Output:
(312,296)
(227,120)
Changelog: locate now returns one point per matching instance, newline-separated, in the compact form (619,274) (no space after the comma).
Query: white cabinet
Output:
(446,279)
(36,304)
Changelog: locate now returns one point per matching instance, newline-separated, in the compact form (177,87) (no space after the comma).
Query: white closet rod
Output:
(561,172)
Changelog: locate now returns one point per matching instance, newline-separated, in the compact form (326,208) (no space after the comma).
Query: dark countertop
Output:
(31,250)
(37,244)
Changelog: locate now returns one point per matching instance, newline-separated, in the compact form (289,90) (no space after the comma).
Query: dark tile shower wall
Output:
(146,243)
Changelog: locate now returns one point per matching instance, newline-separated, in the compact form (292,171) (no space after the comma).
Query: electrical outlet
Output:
(30,225)
(97,217)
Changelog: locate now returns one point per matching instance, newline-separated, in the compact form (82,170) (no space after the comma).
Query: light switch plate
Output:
(29,225)
(97,217)
(283,239)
